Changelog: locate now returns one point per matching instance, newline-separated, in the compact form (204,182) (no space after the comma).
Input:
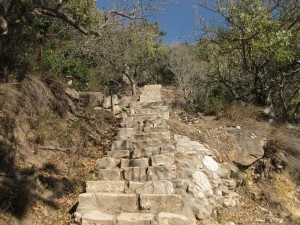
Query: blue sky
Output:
(177,20)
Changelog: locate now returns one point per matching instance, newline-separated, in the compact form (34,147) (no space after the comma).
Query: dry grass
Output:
(36,97)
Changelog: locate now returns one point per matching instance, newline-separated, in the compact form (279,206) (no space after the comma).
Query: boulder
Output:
(107,101)
(73,94)
(91,99)
(247,149)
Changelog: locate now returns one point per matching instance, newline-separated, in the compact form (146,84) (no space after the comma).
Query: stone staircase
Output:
(143,179)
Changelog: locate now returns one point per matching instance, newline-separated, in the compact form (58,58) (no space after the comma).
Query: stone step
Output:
(149,136)
(146,152)
(150,110)
(106,163)
(149,143)
(156,203)
(163,159)
(156,87)
(161,173)
(157,114)
(98,218)
(142,162)
(165,218)
(105,186)
(108,174)
(155,129)
(131,124)
(137,104)
(148,98)
(135,174)
(150,187)
(135,219)
(139,119)
(126,132)
(152,151)
(141,137)
(156,122)
(118,154)
(121,145)
(108,202)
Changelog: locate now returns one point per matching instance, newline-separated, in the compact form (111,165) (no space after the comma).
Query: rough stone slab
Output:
(160,135)
(155,203)
(118,154)
(97,217)
(105,163)
(147,98)
(105,186)
(165,218)
(201,180)
(145,152)
(163,159)
(161,173)
(126,132)
(142,162)
(168,149)
(141,137)
(121,145)
(156,122)
(156,129)
(151,110)
(151,187)
(230,183)
(109,174)
(210,163)
(109,202)
(130,124)
(154,87)
(135,219)
(135,174)
(147,143)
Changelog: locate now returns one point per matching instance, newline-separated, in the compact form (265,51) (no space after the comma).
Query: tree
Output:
(184,63)
(125,50)
(256,51)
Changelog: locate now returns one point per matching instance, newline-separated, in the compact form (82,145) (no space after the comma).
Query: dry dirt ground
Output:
(55,156)
(273,200)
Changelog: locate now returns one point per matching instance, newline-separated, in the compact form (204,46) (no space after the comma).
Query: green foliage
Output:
(255,54)
(68,65)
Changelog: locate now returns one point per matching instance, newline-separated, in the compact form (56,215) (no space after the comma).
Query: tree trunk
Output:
(131,80)
(112,104)
(133,88)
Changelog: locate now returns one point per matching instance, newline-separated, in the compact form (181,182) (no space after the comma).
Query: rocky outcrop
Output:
(247,149)
(152,177)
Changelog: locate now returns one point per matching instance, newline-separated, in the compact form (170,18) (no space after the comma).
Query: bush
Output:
(68,65)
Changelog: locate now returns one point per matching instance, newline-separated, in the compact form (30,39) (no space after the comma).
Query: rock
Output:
(97,217)
(109,174)
(72,93)
(105,163)
(162,159)
(210,163)
(107,101)
(91,99)
(171,219)
(152,187)
(156,203)
(202,181)
(135,219)
(135,174)
(161,172)
(105,186)
(248,148)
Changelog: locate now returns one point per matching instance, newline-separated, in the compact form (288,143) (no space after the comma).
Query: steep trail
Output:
(152,177)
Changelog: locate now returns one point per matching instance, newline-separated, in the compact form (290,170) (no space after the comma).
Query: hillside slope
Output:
(50,152)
